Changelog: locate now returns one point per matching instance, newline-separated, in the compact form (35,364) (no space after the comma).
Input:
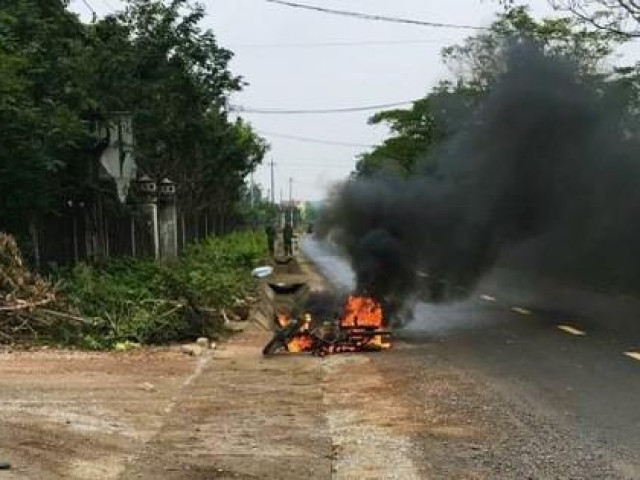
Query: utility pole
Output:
(291,200)
(273,188)
(251,187)
(290,191)
(281,212)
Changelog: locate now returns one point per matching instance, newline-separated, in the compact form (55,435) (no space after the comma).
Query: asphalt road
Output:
(564,353)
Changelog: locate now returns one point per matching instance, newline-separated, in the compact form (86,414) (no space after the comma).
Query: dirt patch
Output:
(244,417)
(82,415)
(366,422)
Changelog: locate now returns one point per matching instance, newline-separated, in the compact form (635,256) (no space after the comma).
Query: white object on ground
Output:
(262,272)
(571,330)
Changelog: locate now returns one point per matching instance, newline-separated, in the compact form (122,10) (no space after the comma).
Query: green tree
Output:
(476,64)
(42,99)
(60,79)
(478,61)
(174,77)
(621,17)
(418,131)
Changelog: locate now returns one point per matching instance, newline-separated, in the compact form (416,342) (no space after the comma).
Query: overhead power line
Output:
(344,44)
(280,111)
(379,18)
(316,165)
(320,141)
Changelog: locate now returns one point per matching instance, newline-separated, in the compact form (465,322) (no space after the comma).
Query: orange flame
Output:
(283,320)
(379,342)
(362,322)
(365,313)
(362,312)
(300,343)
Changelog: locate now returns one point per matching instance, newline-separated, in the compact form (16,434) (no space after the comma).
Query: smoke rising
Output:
(542,174)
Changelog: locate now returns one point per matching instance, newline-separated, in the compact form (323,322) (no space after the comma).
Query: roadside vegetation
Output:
(124,302)
(62,83)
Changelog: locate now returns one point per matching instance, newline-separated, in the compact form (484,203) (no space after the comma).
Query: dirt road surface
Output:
(409,413)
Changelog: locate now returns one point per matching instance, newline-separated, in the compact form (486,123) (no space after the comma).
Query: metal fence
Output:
(94,233)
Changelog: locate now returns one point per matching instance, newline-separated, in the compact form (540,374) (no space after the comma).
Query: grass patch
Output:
(148,302)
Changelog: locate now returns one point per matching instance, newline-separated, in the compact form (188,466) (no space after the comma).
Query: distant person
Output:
(287,236)
(271,238)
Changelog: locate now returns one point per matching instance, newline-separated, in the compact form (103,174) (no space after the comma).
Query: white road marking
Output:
(521,311)
(634,355)
(571,330)
(488,298)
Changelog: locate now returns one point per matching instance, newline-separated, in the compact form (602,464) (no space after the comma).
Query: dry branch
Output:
(23,294)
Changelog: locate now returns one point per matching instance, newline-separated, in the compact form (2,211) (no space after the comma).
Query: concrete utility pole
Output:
(148,208)
(168,219)
(291,200)
(251,191)
(290,190)
(273,188)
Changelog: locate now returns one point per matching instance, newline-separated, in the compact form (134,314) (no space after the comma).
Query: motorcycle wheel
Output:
(273,347)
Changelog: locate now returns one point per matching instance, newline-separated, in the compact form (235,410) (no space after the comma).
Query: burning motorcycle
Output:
(359,327)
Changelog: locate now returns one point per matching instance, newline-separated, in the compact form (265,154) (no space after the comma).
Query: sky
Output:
(296,59)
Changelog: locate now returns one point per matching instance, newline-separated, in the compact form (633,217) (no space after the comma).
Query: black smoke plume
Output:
(545,163)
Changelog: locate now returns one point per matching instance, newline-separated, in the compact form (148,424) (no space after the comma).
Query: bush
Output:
(158,302)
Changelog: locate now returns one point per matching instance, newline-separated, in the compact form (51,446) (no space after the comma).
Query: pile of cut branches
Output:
(143,301)
(23,294)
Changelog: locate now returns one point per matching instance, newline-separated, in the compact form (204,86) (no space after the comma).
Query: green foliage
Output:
(174,76)
(60,79)
(620,17)
(42,98)
(417,132)
(149,302)
(477,63)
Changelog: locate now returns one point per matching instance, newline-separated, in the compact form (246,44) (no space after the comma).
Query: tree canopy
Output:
(621,17)
(476,64)
(61,78)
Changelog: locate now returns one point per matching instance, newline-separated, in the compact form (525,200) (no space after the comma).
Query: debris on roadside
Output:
(23,294)
(149,387)
(125,346)
(192,349)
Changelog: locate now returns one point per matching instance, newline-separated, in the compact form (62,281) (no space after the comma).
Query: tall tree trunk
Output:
(76,248)
(33,232)
(184,230)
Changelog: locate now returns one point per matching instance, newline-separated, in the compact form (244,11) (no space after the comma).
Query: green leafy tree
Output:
(478,61)
(42,99)
(621,17)
(417,132)
(60,79)
(175,79)
(476,64)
